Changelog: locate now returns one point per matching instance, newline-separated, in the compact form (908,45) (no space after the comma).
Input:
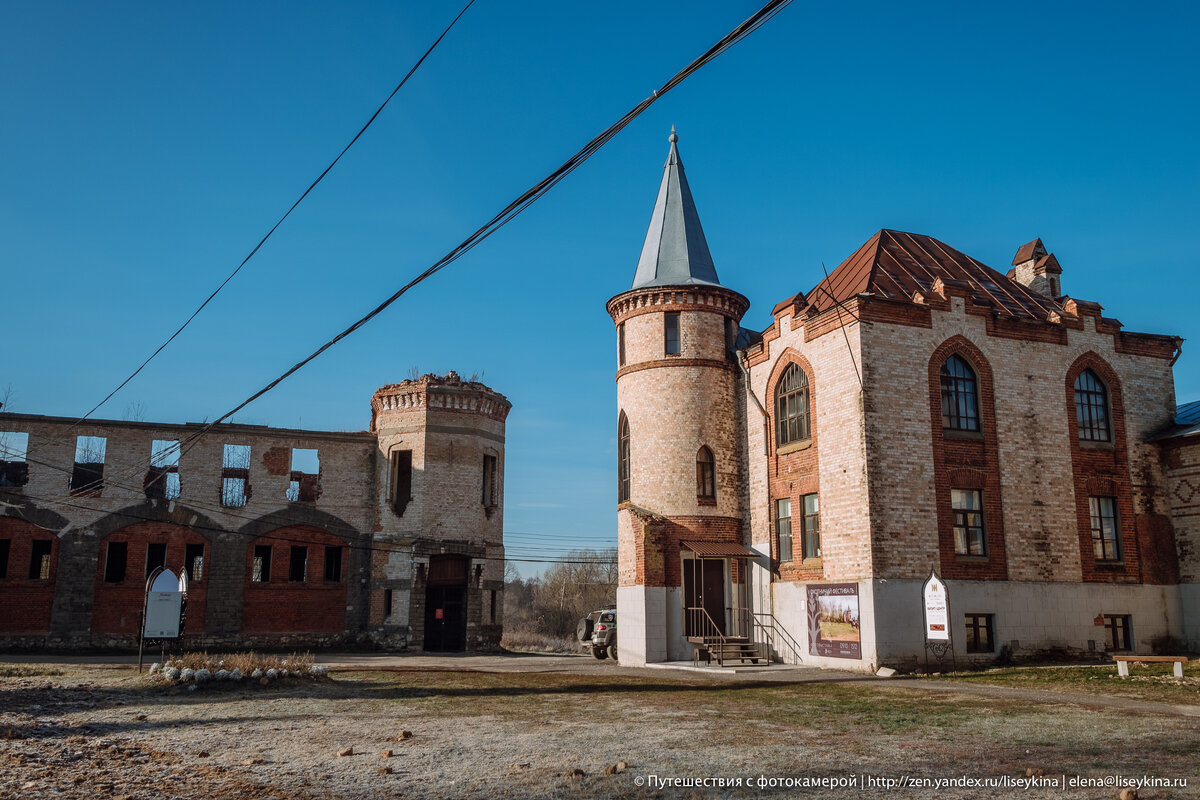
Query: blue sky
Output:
(147,147)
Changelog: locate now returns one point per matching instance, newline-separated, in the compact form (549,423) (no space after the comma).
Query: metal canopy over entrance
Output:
(717,617)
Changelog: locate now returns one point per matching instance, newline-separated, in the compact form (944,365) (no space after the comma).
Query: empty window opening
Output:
(193,562)
(260,571)
(400,483)
(489,481)
(5,547)
(333,564)
(731,334)
(980,633)
(306,471)
(162,481)
(87,476)
(156,556)
(298,564)
(492,607)
(387,602)
(14,469)
(783,525)
(39,560)
(235,475)
(115,559)
(671,332)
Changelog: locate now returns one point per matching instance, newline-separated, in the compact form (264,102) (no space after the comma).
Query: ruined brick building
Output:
(915,411)
(392,537)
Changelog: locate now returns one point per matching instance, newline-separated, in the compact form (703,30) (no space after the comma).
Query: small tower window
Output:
(960,396)
(1091,408)
(706,486)
(792,422)
(623,458)
(671,333)
(621,345)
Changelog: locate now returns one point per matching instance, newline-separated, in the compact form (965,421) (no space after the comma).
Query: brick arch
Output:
(794,473)
(1102,469)
(299,515)
(27,602)
(22,508)
(154,511)
(117,605)
(967,460)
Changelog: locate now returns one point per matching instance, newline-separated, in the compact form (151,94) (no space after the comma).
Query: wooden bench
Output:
(1123,663)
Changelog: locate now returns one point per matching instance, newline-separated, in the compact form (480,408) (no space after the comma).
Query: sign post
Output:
(936,602)
(162,608)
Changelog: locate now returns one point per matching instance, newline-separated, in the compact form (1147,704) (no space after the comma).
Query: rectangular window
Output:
(87,476)
(731,332)
(298,564)
(1106,533)
(1117,632)
(980,634)
(39,560)
(235,475)
(401,480)
(14,469)
(115,559)
(489,481)
(5,547)
(387,602)
(162,481)
(306,470)
(193,562)
(621,345)
(492,607)
(156,556)
(333,564)
(671,332)
(260,572)
(812,527)
(967,505)
(783,525)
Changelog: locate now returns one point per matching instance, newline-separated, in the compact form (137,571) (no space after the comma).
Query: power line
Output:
(263,241)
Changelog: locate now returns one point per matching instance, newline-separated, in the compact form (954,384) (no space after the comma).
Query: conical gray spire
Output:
(675,252)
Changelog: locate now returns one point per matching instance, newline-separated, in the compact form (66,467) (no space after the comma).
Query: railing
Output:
(699,624)
(775,635)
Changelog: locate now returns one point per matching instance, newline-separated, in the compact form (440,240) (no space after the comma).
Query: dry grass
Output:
(1147,681)
(528,642)
(32,671)
(246,662)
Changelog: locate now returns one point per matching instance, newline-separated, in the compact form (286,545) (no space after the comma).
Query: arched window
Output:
(706,485)
(622,458)
(1091,408)
(960,396)
(792,421)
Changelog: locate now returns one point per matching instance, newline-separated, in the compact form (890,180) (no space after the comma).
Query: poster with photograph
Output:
(833,624)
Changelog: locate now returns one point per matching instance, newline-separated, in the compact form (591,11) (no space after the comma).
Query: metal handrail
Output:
(775,628)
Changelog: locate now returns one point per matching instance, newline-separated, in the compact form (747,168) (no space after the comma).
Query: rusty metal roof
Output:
(1029,251)
(894,265)
(720,549)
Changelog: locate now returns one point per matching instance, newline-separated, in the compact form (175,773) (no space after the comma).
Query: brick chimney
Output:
(1037,269)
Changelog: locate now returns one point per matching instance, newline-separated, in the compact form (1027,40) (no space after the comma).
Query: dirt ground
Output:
(529,728)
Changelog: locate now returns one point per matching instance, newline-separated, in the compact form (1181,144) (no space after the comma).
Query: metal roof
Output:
(1188,413)
(893,265)
(720,549)
(675,252)
(1186,423)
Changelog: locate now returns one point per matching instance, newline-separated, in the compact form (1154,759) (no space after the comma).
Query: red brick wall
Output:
(658,549)
(25,604)
(1102,469)
(967,463)
(792,474)
(284,606)
(118,606)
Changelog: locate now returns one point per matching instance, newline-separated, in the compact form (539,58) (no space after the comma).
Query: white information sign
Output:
(164,604)
(937,610)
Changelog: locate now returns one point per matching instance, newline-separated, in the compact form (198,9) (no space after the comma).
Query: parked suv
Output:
(598,633)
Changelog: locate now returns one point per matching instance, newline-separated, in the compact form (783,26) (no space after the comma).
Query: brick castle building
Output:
(391,537)
(914,412)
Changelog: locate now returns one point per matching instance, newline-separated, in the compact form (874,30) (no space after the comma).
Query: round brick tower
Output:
(677,424)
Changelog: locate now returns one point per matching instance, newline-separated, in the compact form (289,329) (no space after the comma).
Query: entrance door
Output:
(709,594)
(446,604)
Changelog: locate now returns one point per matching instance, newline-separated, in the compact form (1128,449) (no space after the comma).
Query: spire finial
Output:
(673,138)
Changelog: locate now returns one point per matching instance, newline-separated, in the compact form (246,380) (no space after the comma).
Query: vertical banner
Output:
(937,609)
(833,622)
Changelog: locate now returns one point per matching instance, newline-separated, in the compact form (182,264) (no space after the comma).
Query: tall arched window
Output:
(792,420)
(622,458)
(960,396)
(1091,408)
(706,484)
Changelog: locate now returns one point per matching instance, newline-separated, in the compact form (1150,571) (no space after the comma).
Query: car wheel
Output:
(584,630)
(612,650)
(600,652)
